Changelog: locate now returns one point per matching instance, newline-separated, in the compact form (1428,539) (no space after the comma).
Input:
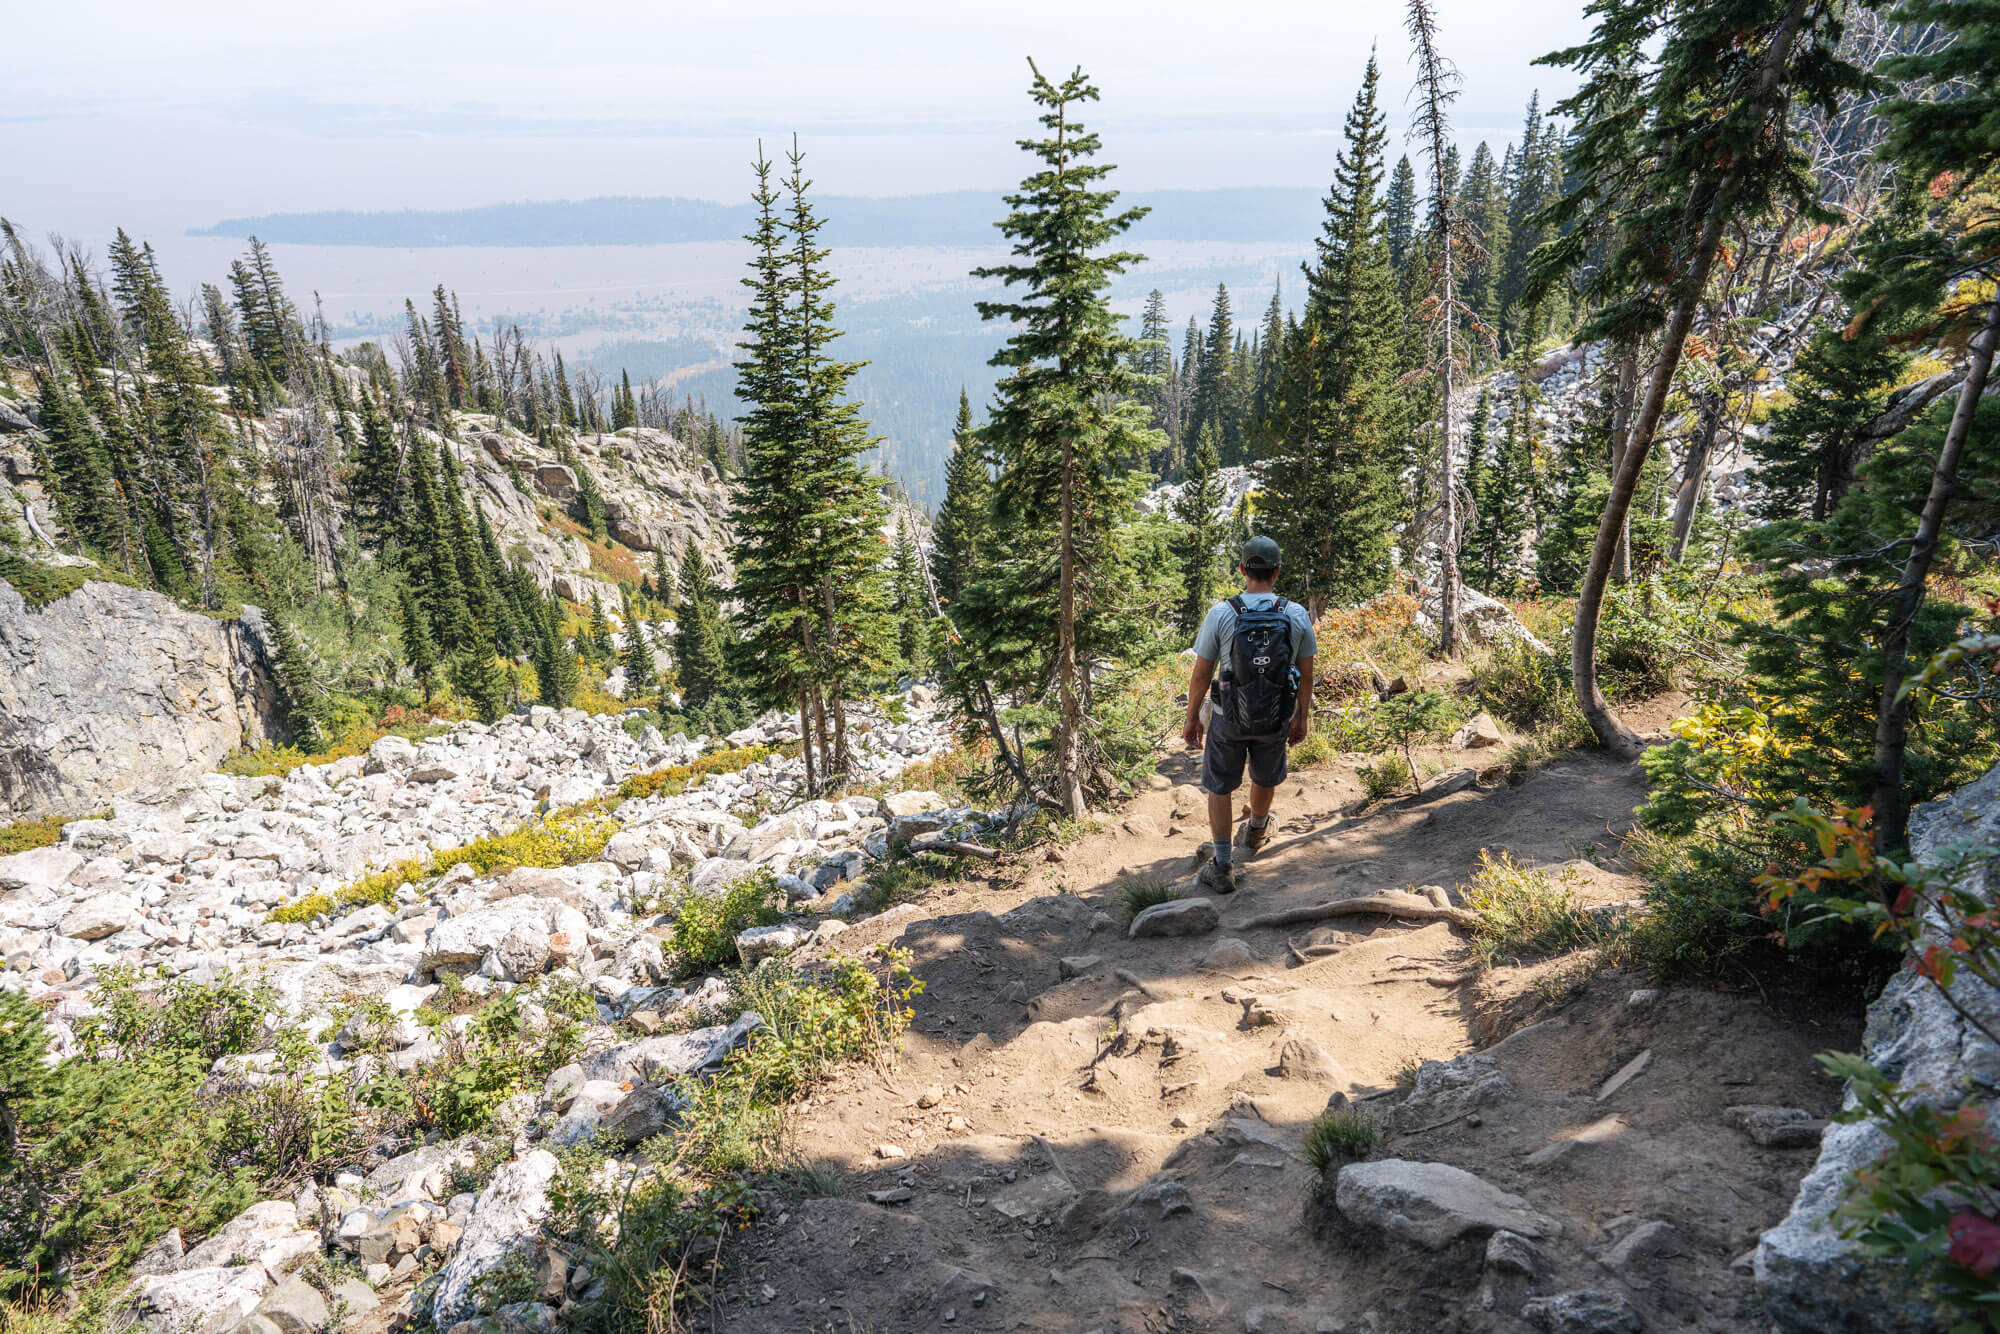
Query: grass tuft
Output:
(1340,1135)
(1140,892)
(1528,913)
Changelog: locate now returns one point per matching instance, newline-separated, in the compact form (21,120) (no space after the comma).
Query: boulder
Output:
(113,690)
(1593,1312)
(522,924)
(555,480)
(1479,733)
(269,1234)
(294,1307)
(509,1212)
(1809,1277)
(758,943)
(1776,1127)
(96,918)
(39,868)
(195,1298)
(912,803)
(1176,917)
(1432,1204)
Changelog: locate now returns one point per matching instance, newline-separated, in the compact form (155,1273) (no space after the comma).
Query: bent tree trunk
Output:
(1892,712)
(1611,731)
(1621,427)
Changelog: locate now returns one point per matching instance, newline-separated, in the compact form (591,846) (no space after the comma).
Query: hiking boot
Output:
(1215,878)
(1254,837)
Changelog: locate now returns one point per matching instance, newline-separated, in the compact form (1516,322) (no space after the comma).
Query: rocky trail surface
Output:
(1092,1129)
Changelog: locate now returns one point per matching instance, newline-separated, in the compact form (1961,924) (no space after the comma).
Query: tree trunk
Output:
(1069,740)
(1448,540)
(1621,426)
(1694,474)
(1892,712)
(1617,738)
(806,746)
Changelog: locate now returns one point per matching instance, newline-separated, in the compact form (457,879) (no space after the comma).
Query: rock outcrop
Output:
(1810,1278)
(114,690)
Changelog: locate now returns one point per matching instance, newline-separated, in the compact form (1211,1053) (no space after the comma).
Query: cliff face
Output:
(114,690)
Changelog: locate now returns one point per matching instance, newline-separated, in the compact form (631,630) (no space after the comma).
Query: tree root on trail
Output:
(927,843)
(1385,905)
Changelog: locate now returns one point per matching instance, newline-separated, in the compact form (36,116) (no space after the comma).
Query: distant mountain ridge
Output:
(959,218)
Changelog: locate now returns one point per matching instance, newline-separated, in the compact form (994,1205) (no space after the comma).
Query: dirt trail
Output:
(1087,1132)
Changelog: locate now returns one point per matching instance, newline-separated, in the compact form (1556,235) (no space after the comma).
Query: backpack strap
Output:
(1236,602)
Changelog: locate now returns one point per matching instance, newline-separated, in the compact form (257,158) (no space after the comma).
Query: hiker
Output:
(1257,706)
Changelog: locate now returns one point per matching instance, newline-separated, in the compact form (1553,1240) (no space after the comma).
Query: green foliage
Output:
(1525,913)
(506,1048)
(1140,892)
(27,835)
(1340,1135)
(705,929)
(1386,777)
(1530,692)
(200,1019)
(1198,544)
(1932,1199)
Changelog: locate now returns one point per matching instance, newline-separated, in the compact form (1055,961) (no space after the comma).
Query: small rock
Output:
(890,1151)
(1583,1313)
(1176,917)
(1510,1253)
(1630,1071)
(1227,955)
(1076,965)
(1302,1058)
(897,1195)
(1643,996)
(1481,732)
(1643,1246)
(1433,1204)
(1776,1127)
(931,1096)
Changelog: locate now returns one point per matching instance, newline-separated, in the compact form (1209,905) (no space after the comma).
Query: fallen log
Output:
(1384,905)
(929,843)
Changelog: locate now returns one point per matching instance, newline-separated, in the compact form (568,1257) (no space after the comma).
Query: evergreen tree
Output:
(419,647)
(1331,494)
(911,600)
(1484,208)
(300,694)
(1063,413)
(698,646)
(1399,216)
(603,650)
(1839,385)
(959,534)
(555,666)
(1198,540)
(638,658)
(1217,401)
(663,581)
(1153,358)
(1505,498)
(481,681)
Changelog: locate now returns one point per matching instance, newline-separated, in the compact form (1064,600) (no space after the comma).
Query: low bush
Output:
(507,1047)
(705,930)
(1386,777)
(27,835)
(1525,913)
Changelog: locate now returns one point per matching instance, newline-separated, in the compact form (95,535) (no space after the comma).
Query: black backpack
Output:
(1261,687)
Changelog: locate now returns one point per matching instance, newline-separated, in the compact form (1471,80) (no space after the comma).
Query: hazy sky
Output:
(165,114)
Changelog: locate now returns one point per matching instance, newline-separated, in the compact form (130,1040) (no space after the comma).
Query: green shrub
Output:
(1529,913)
(501,1053)
(1530,692)
(705,931)
(1340,1135)
(27,835)
(202,1019)
(1386,777)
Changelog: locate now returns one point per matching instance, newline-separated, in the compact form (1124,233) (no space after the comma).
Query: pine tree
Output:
(1505,497)
(1154,358)
(1331,493)
(602,649)
(1399,215)
(555,666)
(481,681)
(419,647)
(698,646)
(638,658)
(911,601)
(959,534)
(451,349)
(1484,208)
(300,694)
(1198,539)
(663,581)
(1063,413)
(1217,401)
(375,489)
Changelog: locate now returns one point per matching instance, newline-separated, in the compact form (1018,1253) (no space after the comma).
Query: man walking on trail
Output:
(1253,709)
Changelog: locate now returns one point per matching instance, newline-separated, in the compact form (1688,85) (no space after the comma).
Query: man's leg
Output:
(1221,817)
(1260,802)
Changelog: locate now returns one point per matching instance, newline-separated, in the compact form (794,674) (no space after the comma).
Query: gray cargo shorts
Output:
(1225,754)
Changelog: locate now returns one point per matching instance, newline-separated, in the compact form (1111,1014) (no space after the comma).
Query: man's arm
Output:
(1204,672)
(1302,712)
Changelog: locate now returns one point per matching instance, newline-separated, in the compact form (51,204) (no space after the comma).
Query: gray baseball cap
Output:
(1260,553)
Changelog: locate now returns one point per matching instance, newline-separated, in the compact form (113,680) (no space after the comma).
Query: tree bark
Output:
(1069,745)
(1892,712)
(1611,731)
(1621,426)
(1694,473)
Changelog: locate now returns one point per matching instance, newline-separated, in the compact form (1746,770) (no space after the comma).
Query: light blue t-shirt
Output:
(1218,628)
